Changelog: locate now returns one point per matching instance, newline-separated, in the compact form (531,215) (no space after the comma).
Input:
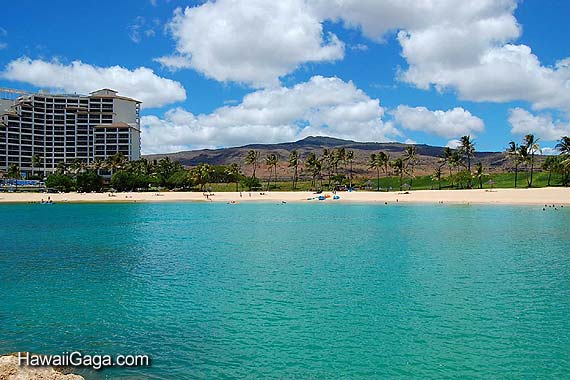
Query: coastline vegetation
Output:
(331,170)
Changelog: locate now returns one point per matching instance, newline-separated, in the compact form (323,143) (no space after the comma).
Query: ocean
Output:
(291,291)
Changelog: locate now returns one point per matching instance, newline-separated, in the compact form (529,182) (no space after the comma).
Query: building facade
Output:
(65,128)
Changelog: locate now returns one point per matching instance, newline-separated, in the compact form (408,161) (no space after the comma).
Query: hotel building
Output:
(62,128)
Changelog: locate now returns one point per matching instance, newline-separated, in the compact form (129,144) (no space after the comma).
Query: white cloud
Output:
(523,123)
(452,123)
(141,83)
(142,27)
(321,106)
(549,151)
(453,144)
(253,42)
(502,74)
(467,48)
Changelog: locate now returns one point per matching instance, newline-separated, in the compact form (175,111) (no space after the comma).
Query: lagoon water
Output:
(295,291)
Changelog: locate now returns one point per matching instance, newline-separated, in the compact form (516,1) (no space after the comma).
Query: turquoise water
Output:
(296,291)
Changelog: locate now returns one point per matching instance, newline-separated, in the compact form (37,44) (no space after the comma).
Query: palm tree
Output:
(314,166)
(375,163)
(350,159)
(271,161)
(13,172)
(552,163)
(479,174)
(515,153)
(436,176)
(116,162)
(61,168)
(447,158)
(294,163)
(234,172)
(467,150)
(78,166)
(327,164)
(97,164)
(410,158)
(340,157)
(252,159)
(563,145)
(532,147)
(36,161)
(201,174)
(399,168)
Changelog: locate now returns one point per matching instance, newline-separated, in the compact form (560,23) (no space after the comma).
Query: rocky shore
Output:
(10,370)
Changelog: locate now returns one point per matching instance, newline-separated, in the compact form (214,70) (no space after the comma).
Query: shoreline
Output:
(539,196)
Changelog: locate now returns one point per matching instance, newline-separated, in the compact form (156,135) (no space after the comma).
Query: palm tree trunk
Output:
(378,179)
(549,176)
(531,169)
(401,179)
(516,174)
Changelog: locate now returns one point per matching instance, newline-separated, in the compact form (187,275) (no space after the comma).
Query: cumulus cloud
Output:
(321,106)
(141,83)
(453,144)
(468,49)
(253,42)
(543,126)
(452,123)
(549,151)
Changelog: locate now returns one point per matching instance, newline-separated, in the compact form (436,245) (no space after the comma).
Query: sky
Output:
(226,73)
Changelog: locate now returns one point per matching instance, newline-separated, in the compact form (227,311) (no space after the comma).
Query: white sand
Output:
(541,196)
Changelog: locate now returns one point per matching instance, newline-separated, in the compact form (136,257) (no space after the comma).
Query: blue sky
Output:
(233,72)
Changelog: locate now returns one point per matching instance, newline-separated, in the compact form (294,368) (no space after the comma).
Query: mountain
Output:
(428,155)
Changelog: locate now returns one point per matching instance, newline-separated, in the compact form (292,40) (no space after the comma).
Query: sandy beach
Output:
(558,196)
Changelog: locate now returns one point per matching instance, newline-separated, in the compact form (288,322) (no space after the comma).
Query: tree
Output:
(564,166)
(97,164)
(374,163)
(14,172)
(467,150)
(532,148)
(340,157)
(116,162)
(88,181)
(350,159)
(551,164)
(314,166)
(447,158)
(234,174)
(563,146)
(514,152)
(410,158)
(61,168)
(78,166)
(294,163)
(59,182)
(252,159)
(399,168)
(271,161)
(201,175)
(479,174)
(436,176)
(36,161)
(180,179)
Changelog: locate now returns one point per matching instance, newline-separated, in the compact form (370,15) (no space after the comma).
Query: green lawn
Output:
(501,180)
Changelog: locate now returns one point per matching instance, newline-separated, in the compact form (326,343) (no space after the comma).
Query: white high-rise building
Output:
(63,128)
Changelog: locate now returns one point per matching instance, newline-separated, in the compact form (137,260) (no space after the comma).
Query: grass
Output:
(501,181)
